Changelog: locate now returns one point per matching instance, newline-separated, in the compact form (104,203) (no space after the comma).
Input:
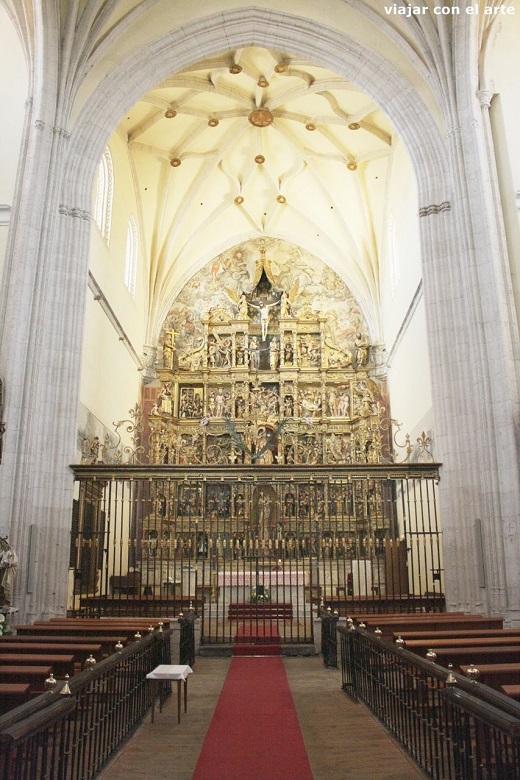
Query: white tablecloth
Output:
(170,672)
(270,579)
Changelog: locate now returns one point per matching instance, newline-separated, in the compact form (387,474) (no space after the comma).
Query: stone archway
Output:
(38,489)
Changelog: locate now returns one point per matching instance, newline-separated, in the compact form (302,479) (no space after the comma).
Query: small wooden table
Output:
(177,672)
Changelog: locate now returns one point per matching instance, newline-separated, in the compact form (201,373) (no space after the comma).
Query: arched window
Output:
(104,195)
(131,256)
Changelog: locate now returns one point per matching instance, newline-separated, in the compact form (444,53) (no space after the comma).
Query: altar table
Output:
(177,672)
(270,578)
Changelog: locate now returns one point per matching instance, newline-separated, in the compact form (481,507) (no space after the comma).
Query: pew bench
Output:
(421,646)
(497,675)
(83,632)
(13,695)
(60,663)
(458,633)
(80,652)
(388,627)
(34,676)
(513,691)
(459,656)
(114,620)
(107,643)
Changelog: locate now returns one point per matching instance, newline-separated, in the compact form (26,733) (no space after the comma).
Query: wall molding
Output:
(407,320)
(100,297)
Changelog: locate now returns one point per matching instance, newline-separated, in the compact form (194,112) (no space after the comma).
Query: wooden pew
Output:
(90,632)
(513,691)
(60,663)
(412,617)
(497,675)
(112,621)
(458,633)
(459,656)
(80,652)
(107,643)
(12,695)
(439,621)
(421,646)
(34,676)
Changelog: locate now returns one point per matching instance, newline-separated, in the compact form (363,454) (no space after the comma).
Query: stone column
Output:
(45,285)
(473,344)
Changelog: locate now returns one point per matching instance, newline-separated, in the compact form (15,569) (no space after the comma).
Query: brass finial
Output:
(65,691)
(431,655)
(378,633)
(450,679)
(90,662)
(119,646)
(50,683)
(137,636)
(362,626)
(473,673)
(400,642)
(192,608)
(161,624)
(151,629)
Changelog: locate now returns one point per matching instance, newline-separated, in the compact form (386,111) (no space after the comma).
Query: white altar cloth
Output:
(269,578)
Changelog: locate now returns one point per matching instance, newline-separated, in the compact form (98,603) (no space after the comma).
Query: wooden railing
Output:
(187,638)
(329,636)
(62,735)
(452,727)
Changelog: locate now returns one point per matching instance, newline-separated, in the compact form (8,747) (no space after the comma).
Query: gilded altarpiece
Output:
(267,375)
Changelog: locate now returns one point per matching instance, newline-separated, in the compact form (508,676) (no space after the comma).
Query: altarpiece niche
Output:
(267,362)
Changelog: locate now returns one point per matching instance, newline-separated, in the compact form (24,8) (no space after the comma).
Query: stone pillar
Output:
(45,285)
(473,345)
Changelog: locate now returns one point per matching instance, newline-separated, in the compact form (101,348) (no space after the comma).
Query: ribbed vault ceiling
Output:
(256,143)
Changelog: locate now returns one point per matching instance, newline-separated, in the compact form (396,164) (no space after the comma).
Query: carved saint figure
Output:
(254,354)
(165,400)
(285,306)
(242,307)
(168,348)
(8,570)
(274,354)
(264,309)
(333,403)
(361,351)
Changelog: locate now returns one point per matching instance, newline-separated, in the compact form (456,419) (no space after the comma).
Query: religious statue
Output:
(254,354)
(288,353)
(242,307)
(168,348)
(361,351)
(165,400)
(285,306)
(365,399)
(220,400)
(8,570)
(274,353)
(263,309)
(333,402)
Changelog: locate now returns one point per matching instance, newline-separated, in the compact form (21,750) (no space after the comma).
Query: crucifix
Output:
(264,308)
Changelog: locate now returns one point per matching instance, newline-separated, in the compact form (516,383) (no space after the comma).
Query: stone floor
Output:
(343,740)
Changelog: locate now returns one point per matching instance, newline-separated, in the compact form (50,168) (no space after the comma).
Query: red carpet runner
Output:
(255,733)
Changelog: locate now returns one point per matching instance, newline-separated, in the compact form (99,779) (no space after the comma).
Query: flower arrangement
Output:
(260,595)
